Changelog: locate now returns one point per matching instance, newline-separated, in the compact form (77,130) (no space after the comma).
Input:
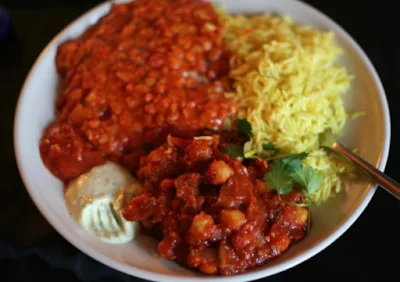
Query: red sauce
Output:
(211,212)
(147,69)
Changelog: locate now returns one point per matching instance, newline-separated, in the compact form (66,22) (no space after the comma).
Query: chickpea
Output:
(301,216)
(219,172)
(202,227)
(281,242)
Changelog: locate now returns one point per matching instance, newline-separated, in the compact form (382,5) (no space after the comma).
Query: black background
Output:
(30,250)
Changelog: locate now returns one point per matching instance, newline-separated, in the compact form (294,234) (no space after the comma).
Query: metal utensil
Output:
(328,142)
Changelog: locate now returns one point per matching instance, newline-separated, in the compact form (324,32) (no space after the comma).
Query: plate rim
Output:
(249,276)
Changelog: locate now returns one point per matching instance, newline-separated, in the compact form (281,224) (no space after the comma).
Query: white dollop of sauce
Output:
(95,199)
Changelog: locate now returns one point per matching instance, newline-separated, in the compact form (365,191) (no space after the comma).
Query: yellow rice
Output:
(289,87)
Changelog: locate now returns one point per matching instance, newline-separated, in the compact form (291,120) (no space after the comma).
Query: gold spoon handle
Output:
(376,175)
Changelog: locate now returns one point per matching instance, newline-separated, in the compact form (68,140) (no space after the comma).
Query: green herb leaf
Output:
(309,179)
(269,150)
(278,178)
(244,127)
(293,162)
(269,147)
(293,165)
(300,157)
(288,158)
(286,188)
(234,150)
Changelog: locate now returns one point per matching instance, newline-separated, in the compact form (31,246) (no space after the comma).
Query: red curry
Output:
(213,212)
(147,69)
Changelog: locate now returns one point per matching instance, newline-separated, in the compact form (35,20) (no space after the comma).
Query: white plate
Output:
(371,134)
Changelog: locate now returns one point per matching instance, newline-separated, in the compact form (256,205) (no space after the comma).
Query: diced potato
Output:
(227,259)
(232,219)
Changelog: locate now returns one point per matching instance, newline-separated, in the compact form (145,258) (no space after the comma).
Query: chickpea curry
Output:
(213,212)
(145,70)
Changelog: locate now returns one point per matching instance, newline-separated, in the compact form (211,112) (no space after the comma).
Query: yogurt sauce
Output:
(95,199)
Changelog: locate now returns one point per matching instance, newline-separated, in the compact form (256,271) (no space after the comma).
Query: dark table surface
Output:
(30,249)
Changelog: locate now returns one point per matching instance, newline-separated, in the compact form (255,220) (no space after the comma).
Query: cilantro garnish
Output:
(309,179)
(294,161)
(269,150)
(279,177)
(300,156)
(245,130)
(269,147)
(234,150)
(294,157)
(288,171)
(244,127)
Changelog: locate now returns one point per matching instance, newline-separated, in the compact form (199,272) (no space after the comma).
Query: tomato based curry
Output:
(145,70)
(213,212)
